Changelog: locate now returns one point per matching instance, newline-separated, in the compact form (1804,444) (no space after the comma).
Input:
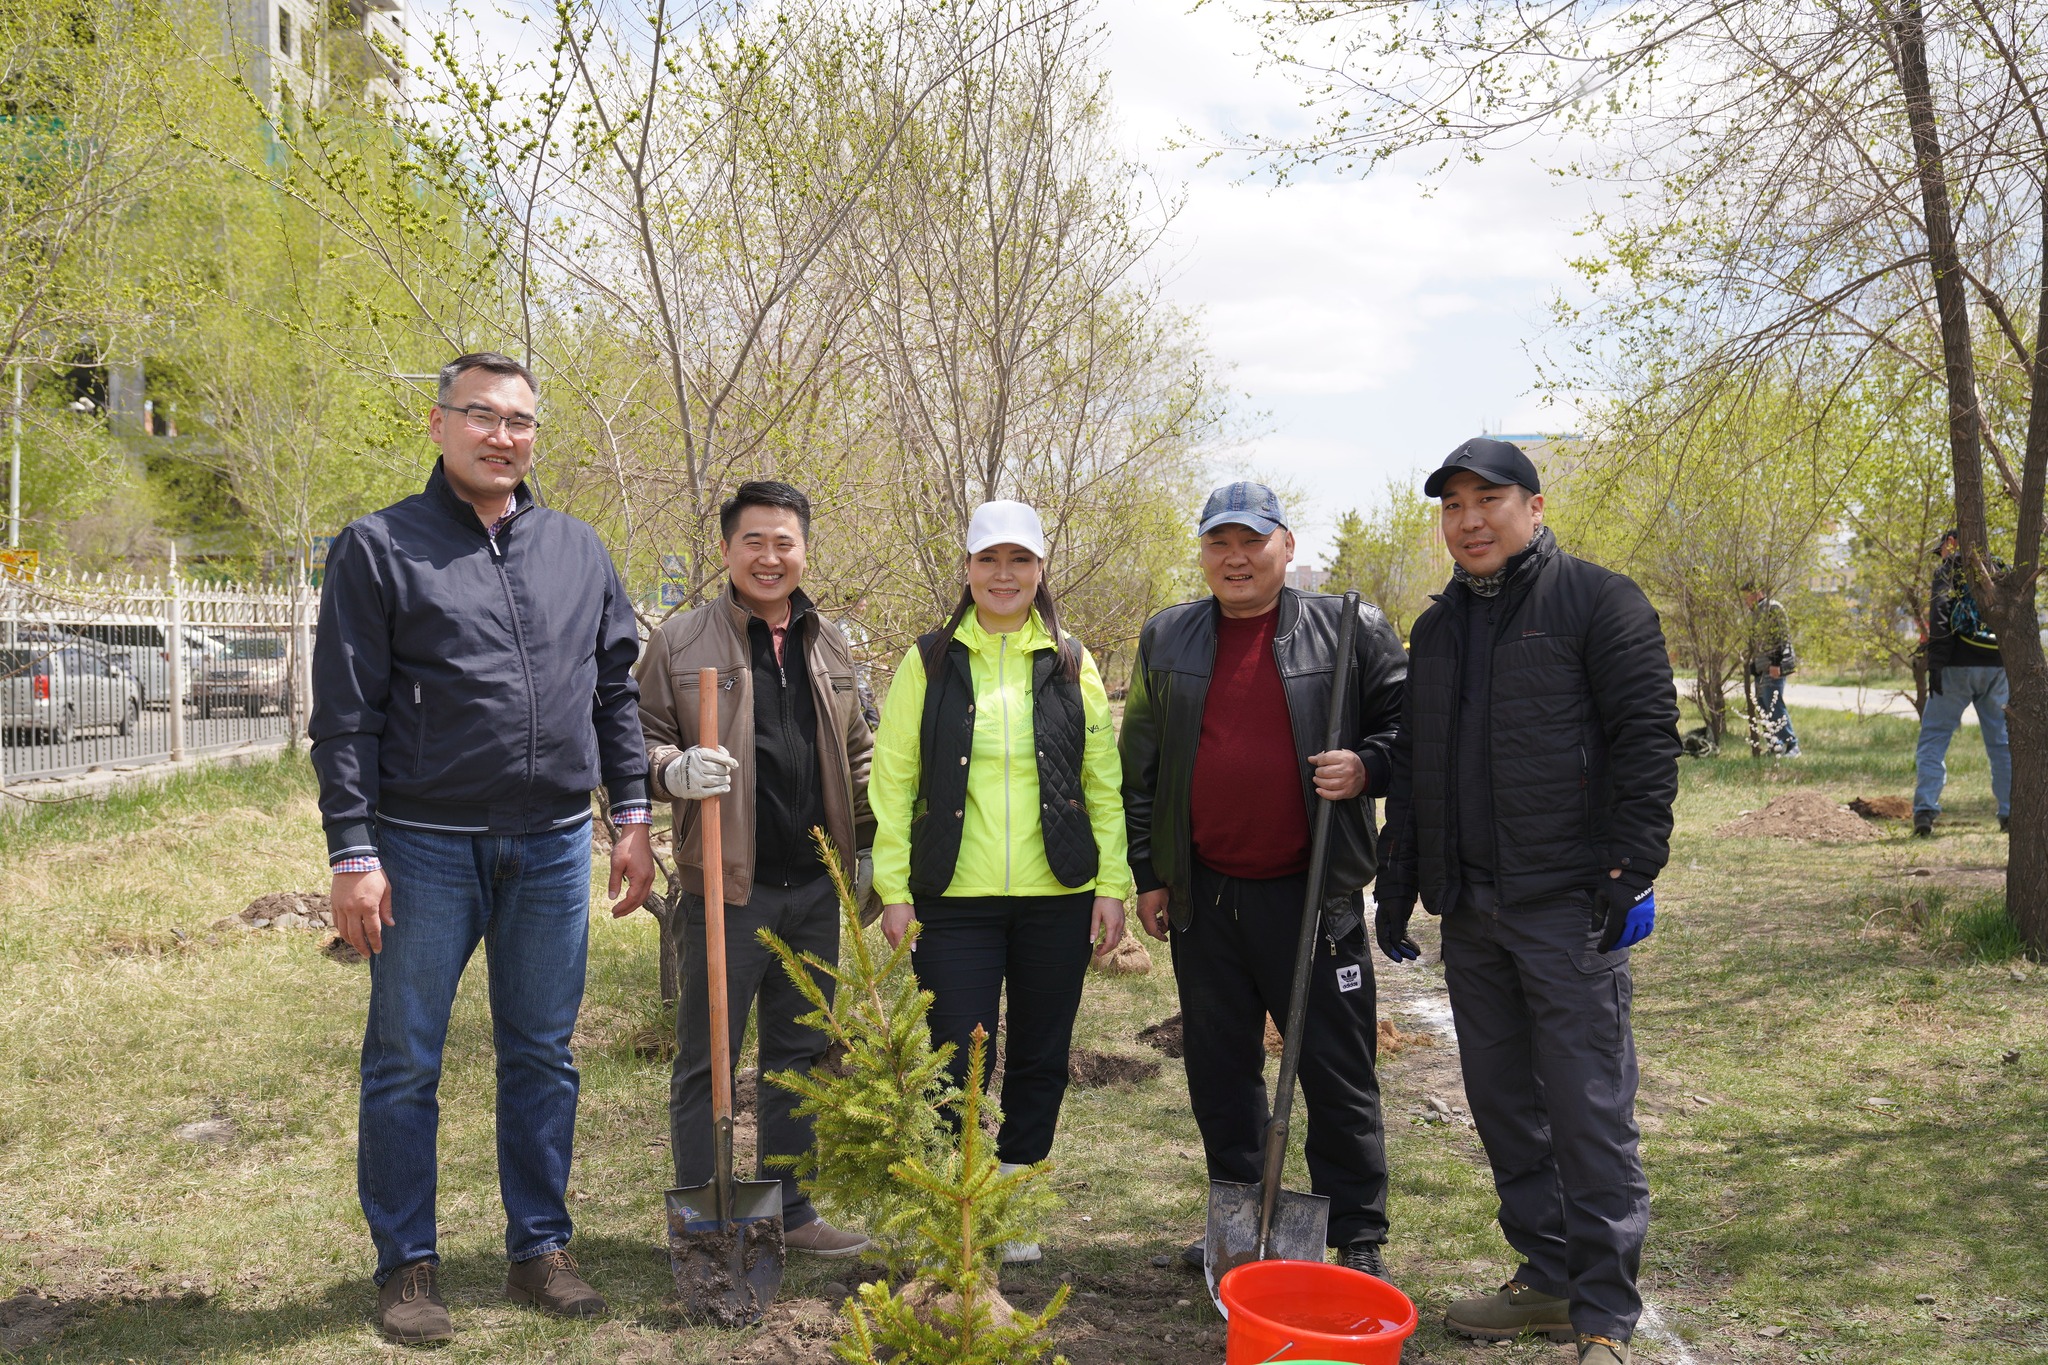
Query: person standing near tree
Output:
(998,825)
(1964,669)
(1222,745)
(1771,661)
(1533,781)
(471,686)
(798,761)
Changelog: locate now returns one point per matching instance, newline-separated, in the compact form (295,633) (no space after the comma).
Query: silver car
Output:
(55,690)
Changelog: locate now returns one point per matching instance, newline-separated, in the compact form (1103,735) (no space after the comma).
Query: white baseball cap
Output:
(1005,523)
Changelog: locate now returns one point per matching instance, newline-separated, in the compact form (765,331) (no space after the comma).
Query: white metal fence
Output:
(106,672)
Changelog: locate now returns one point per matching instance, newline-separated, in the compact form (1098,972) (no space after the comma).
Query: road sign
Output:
(673,594)
(21,564)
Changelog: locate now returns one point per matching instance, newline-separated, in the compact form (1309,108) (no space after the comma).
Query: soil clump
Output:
(1165,1036)
(1883,807)
(1803,816)
(282,910)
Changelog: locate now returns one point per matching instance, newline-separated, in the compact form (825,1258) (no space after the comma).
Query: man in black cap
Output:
(1222,751)
(1533,778)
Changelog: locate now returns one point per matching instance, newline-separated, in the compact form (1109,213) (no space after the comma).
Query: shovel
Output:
(1263,1222)
(724,1239)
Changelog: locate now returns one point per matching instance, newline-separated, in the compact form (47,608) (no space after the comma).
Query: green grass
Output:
(1831,1124)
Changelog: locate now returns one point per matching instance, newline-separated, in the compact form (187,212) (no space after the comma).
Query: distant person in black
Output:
(1771,661)
(1534,772)
(1964,670)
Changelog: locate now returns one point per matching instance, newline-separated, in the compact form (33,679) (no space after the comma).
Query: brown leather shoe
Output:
(820,1238)
(409,1307)
(552,1283)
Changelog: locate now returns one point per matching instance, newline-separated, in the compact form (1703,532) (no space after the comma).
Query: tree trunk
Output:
(2009,597)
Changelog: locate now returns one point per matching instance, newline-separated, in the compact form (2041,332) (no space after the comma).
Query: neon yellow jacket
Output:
(1002,846)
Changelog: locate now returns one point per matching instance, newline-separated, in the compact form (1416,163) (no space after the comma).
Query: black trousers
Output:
(1550,1072)
(1235,968)
(968,950)
(807,919)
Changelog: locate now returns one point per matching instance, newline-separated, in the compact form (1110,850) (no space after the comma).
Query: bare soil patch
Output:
(72,1282)
(1092,1070)
(282,910)
(1805,816)
(793,1332)
(1165,1036)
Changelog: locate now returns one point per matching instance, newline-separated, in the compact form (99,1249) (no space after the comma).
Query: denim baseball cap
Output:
(1244,503)
(1497,462)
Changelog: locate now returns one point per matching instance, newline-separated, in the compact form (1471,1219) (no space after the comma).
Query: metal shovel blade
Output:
(726,1270)
(1301,1228)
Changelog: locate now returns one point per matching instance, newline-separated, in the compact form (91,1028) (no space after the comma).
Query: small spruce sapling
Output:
(952,1313)
(886,1098)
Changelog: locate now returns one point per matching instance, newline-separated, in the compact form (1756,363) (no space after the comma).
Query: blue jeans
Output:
(1777,721)
(1987,690)
(526,898)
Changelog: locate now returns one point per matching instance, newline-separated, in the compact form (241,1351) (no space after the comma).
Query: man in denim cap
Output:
(1223,757)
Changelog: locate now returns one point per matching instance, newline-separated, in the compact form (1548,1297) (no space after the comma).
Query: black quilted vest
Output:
(946,742)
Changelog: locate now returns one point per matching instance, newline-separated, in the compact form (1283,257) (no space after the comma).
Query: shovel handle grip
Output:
(712,860)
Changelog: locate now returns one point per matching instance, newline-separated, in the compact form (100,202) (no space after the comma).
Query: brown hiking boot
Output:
(1509,1312)
(820,1238)
(552,1283)
(409,1307)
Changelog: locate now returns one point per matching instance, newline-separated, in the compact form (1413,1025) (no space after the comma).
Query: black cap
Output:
(1497,462)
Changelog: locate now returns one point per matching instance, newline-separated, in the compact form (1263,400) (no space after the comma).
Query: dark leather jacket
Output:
(1163,721)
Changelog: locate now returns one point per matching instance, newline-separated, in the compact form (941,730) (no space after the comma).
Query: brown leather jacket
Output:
(715,636)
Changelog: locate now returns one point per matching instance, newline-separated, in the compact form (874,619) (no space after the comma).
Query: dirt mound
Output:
(338,949)
(1883,807)
(1799,815)
(1093,1070)
(1393,1042)
(282,910)
(1130,957)
(1164,1035)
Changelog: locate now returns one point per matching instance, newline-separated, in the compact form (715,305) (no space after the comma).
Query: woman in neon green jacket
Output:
(999,825)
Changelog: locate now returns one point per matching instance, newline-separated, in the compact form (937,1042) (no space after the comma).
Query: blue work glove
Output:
(1390,926)
(1624,911)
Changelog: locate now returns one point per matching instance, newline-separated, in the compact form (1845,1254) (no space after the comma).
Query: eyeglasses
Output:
(485,422)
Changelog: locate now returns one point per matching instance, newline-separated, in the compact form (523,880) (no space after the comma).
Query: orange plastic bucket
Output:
(1305,1310)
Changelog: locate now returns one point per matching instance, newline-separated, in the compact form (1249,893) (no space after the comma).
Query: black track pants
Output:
(1235,968)
(969,950)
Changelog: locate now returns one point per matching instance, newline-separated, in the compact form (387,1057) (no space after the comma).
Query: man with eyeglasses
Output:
(472,685)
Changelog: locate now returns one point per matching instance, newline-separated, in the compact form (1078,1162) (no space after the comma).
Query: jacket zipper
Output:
(419,718)
(525,664)
(1003,690)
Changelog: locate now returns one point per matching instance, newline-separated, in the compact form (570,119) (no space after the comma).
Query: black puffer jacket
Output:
(1163,721)
(471,687)
(1582,740)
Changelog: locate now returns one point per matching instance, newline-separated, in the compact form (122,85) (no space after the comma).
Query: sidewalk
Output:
(19,799)
(1861,701)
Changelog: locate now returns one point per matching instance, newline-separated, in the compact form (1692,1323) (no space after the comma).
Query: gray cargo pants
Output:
(1550,1073)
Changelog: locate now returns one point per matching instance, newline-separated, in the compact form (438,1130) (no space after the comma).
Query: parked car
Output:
(247,674)
(55,690)
(141,640)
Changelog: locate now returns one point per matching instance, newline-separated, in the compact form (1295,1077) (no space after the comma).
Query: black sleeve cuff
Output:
(351,839)
(627,791)
(1144,878)
(1379,773)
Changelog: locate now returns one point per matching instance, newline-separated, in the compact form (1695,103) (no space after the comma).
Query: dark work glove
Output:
(1390,926)
(1624,911)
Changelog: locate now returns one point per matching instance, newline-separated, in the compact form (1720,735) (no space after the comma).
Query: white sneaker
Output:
(1018,1253)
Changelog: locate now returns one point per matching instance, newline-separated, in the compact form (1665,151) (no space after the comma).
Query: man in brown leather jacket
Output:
(794,756)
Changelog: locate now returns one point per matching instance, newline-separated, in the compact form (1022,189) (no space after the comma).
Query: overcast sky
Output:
(1375,323)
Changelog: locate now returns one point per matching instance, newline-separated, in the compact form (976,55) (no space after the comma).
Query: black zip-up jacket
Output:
(469,687)
(788,800)
(1163,722)
(1580,740)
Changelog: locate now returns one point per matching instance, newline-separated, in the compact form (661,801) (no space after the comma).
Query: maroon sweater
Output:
(1246,810)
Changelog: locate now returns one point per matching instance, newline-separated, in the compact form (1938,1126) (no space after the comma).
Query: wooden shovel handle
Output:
(712,861)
